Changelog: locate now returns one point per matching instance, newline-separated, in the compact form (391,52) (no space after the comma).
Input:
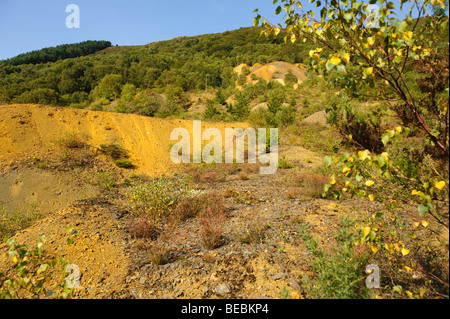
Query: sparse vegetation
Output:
(339,274)
(72,141)
(12,222)
(224,229)
(106,180)
(310,184)
(34,274)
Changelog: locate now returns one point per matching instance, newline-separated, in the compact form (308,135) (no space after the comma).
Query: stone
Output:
(278,276)
(294,284)
(223,289)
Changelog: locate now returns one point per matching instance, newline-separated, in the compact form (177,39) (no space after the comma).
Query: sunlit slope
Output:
(31,130)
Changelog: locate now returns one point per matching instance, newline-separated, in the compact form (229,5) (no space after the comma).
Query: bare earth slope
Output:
(274,71)
(109,263)
(27,130)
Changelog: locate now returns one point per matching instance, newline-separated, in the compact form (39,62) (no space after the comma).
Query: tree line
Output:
(53,54)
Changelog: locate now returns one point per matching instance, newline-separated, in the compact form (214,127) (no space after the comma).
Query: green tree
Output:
(211,110)
(109,87)
(439,9)
(39,96)
(220,97)
(241,109)
(128,92)
(380,47)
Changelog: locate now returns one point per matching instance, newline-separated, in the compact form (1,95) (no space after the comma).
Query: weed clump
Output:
(12,222)
(118,154)
(211,220)
(337,275)
(158,197)
(72,141)
(114,151)
(253,234)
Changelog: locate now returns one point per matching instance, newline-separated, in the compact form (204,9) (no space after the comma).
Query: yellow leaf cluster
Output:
(440,185)
(335,60)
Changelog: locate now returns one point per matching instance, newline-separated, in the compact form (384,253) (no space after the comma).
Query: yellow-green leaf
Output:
(440,185)
(335,60)
(366,231)
(370,183)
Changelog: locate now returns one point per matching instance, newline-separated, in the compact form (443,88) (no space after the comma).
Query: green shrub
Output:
(290,78)
(340,274)
(158,197)
(284,164)
(34,274)
(72,141)
(115,151)
(124,163)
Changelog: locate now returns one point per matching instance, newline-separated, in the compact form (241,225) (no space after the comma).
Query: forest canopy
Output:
(60,52)
(187,63)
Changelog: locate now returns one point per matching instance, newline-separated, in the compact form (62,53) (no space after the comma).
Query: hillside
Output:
(24,133)
(86,207)
(185,63)
(358,207)
(61,52)
(57,185)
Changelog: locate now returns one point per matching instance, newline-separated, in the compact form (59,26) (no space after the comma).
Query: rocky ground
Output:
(113,264)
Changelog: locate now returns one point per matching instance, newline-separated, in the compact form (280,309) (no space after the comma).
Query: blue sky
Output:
(27,25)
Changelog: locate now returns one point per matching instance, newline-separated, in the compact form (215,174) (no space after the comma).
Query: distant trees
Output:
(379,55)
(109,87)
(440,10)
(38,96)
(59,52)
(172,68)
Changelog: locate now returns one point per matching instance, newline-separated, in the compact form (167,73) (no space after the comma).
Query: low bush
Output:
(34,274)
(124,163)
(114,151)
(143,227)
(12,222)
(340,274)
(72,141)
(158,197)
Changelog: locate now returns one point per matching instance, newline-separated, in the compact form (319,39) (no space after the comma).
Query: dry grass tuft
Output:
(310,184)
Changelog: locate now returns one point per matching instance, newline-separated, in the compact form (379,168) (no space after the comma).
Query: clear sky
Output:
(27,25)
